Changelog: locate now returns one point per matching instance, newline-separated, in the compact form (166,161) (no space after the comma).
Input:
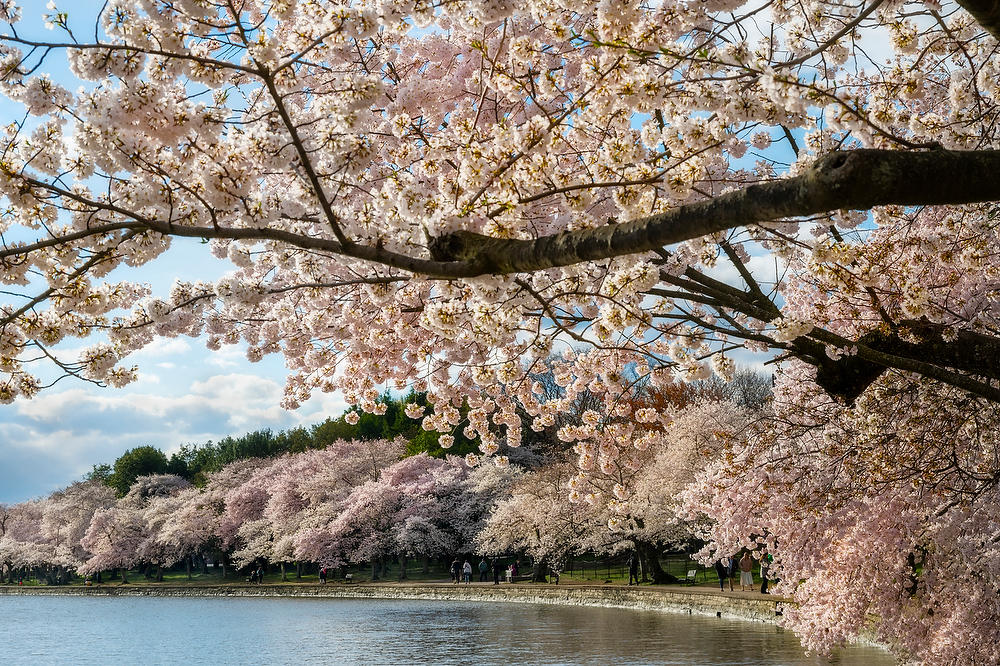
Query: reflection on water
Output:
(102,630)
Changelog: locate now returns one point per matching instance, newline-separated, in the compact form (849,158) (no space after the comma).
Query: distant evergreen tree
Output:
(140,461)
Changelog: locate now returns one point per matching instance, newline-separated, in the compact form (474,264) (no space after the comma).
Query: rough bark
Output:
(855,179)
(986,13)
(920,341)
(652,562)
(539,571)
(402,567)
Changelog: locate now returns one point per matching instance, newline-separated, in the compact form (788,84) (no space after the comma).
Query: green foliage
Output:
(99,473)
(178,465)
(295,440)
(194,461)
(427,441)
(132,464)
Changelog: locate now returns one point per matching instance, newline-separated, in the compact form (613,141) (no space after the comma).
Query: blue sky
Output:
(185,394)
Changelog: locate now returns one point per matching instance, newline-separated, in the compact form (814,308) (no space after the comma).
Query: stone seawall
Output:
(695,601)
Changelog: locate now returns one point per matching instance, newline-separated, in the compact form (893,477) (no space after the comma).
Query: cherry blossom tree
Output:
(147,489)
(423,227)
(537,521)
(695,436)
(418,507)
(66,516)
(122,535)
(440,195)
(364,527)
(876,518)
(189,524)
(19,542)
(114,537)
(210,506)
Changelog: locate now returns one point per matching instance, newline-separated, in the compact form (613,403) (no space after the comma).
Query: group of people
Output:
(462,572)
(728,567)
(256,576)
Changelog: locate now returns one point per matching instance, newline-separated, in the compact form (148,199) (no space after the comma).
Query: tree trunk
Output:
(374,570)
(204,564)
(427,565)
(648,553)
(124,579)
(159,573)
(539,571)
(402,567)
(284,578)
(187,563)
(298,569)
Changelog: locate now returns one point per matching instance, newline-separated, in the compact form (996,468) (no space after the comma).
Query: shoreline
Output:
(737,606)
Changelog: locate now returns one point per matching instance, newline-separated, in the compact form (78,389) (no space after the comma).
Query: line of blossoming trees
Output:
(361,501)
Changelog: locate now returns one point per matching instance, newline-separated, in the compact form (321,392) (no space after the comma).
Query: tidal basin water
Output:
(68,630)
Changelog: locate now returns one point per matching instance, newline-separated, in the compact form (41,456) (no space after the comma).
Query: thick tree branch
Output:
(986,13)
(926,353)
(856,179)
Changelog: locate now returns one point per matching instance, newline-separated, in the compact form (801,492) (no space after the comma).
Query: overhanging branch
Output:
(986,13)
(855,179)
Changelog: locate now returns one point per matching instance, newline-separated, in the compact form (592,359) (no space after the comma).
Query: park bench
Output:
(690,579)
(348,577)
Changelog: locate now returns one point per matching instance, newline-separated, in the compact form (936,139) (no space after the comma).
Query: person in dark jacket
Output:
(765,564)
(633,568)
(722,570)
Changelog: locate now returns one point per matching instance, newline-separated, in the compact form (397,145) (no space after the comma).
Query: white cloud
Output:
(55,438)
(227,357)
(161,346)
(148,378)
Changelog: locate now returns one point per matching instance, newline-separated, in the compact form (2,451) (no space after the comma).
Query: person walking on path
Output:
(322,576)
(456,570)
(633,568)
(746,572)
(483,567)
(467,570)
(722,570)
(496,571)
(734,570)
